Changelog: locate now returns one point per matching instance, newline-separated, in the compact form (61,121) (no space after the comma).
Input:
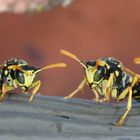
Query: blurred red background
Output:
(90,29)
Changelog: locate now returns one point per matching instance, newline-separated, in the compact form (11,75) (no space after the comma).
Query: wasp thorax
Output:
(15,61)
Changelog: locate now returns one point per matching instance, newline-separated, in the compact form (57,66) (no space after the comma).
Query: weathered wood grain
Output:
(58,118)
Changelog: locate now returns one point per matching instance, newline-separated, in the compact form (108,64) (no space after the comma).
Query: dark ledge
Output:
(57,118)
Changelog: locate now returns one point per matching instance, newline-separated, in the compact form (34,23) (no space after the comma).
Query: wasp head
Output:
(94,72)
(28,74)
(25,78)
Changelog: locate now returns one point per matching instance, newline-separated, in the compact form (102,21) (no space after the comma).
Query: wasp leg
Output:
(36,86)
(123,94)
(131,73)
(129,103)
(80,87)
(96,96)
(3,92)
(107,88)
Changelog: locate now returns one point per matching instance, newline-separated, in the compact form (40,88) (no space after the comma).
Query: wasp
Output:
(16,73)
(108,78)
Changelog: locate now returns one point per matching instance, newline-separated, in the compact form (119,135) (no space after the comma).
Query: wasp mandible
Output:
(16,73)
(107,77)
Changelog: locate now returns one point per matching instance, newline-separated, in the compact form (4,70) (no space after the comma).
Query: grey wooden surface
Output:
(58,118)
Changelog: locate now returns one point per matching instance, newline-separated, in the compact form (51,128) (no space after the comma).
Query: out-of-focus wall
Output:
(90,29)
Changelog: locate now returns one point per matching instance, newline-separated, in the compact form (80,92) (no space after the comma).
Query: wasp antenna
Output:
(64,52)
(58,65)
(137,60)
(70,55)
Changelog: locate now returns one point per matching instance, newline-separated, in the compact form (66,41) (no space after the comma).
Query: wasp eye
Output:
(99,74)
(20,77)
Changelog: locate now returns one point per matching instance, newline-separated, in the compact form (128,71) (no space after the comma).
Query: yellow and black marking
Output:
(17,73)
(108,77)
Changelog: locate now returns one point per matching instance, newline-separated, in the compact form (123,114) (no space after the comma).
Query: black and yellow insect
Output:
(16,73)
(107,77)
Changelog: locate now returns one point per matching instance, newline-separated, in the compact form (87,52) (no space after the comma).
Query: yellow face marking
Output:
(103,85)
(29,80)
(119,66)
(117,73)
(6,72)
(99,90)
(136,97)
(135,91)
(114,93)
(90,73)
(130,79)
